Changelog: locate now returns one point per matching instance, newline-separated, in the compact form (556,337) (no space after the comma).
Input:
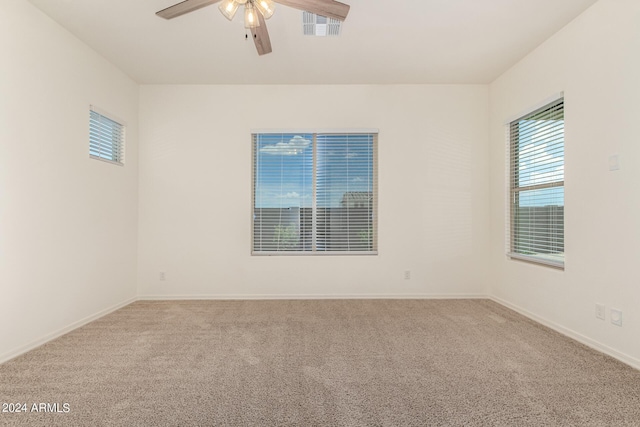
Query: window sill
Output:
(313,253)
(540,260)
(102,159)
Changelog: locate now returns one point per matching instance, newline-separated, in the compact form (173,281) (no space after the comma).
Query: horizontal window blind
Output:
(106,138)
(536,158)
(314,193)
(283,192)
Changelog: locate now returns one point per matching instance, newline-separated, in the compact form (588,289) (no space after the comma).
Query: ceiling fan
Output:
(257,11)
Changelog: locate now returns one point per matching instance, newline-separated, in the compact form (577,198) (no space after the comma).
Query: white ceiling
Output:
(382,42)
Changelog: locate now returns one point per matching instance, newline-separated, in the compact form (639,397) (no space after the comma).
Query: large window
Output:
(106,137)
(536,151)
(314,193)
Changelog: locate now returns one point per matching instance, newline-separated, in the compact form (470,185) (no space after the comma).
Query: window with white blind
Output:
(106,137)
(314,193)
(536,157)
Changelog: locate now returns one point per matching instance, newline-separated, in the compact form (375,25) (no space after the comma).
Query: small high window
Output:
(106,137)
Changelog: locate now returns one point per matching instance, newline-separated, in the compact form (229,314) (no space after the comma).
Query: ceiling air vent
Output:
(318,25)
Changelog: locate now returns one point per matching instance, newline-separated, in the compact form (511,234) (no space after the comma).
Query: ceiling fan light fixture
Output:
(266,7)
(251,16)
(229,8)
(257,11)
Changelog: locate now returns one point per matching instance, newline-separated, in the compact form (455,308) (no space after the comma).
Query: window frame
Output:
(314,251)
(514,190)
(122,129)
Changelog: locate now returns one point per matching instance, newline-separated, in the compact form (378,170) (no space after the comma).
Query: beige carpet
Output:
(320,363)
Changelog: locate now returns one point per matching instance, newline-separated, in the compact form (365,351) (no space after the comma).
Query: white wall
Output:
(195,190)
(595,61)
(68,224)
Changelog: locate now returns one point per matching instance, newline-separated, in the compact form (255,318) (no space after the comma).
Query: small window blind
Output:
(106,138)
(314,193)
(536,157)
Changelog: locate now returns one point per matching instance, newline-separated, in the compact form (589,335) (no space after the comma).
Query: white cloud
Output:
(293,195)
(295,146)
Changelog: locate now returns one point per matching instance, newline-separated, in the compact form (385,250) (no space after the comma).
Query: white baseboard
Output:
(306,296)
(624,358)
(49,337)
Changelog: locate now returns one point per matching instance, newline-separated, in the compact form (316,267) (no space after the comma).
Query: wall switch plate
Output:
(163,276)
(616,317)
(407,275)
(614,162)
(600,311)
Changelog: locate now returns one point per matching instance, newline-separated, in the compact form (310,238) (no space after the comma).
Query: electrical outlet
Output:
(163,276)
(600,311)
(616,317)
(407,275)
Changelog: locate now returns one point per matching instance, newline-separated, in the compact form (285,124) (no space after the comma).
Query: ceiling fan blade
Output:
(261,37)
(184,7)
(330,8)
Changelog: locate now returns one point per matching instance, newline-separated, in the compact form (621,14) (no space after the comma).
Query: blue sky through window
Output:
(284,169)
(541,161)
